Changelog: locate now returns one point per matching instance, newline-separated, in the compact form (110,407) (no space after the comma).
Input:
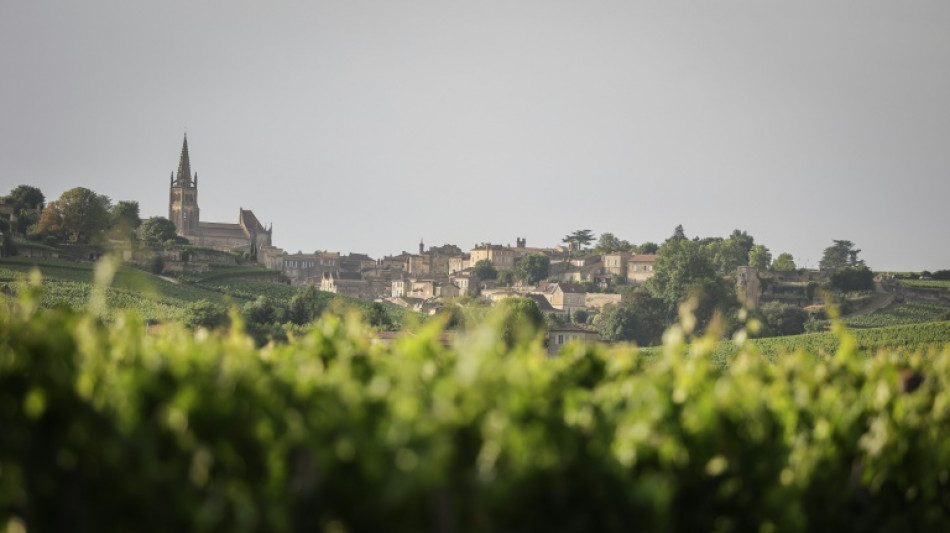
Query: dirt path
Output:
(882,299)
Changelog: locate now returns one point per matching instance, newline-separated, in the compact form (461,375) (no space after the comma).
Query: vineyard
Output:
(898,339)
(69,284)
(906,313)
(110,428)
(926,283)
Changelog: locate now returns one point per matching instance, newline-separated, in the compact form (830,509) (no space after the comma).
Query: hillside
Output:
(158,298)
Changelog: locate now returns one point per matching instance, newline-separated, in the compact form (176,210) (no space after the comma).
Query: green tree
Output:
(580,316)
(377,317)
(157,230)
(648,248)
(79,215)
(579,238)
(853,279)
(124,218)
(532,268)
(641,319)
(485,270)
(520,319)
(840,255)
(27,201)
(783,319)
(305,306)
(760,257)
(26,197)
(728,254)
(683,269)
(784,263)
(608,243)
(616,323)
(205,314)
(505,278)
(678,232)
(262,319)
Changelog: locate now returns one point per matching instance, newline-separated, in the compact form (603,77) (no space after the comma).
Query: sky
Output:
(365,126)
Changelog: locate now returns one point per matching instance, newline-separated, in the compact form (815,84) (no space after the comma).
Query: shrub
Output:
(156,265)
(110,428)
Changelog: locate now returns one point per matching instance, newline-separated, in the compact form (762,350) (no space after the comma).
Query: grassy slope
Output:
(69,284)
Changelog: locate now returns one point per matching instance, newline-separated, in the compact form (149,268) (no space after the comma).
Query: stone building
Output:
(248,235)
(501,257)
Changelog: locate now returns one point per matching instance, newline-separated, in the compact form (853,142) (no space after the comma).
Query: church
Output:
(248,235)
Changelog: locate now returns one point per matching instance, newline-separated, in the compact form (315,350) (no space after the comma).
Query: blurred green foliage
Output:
(109,427)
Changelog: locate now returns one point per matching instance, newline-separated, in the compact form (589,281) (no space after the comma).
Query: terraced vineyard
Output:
(69,284)
(906,338)
(907,313)
(926,283)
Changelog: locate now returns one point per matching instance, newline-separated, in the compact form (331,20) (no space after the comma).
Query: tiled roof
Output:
(249,221)
(570,327)
(572,288)
(543,304)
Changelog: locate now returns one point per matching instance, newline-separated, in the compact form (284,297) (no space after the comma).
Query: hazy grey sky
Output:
(363,126)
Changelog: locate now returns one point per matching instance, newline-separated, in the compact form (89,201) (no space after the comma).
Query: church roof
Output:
(218,229)
(183,178)
(249,221)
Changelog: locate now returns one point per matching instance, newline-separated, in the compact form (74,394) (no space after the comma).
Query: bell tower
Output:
(183,197)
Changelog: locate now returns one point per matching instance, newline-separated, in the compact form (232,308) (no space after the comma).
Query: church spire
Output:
(184,167)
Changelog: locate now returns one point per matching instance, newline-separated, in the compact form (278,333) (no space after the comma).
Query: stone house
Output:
(501,257)
(559,336)
(640,267)
(459,263)
(348,283)
(615,264)
(564,296)
(467,283)
(300,268)
(597,300)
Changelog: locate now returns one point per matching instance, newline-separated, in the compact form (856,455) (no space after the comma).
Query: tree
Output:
(760,257)
(784,263)
(79,215)
(616,323)
(728,254)
(580,316)
(678,232)
(743,240)
(853,279)
(784,319)
(26,197)
(27,201)
(579,238)
(641,320)
(683,269)
(840,255)
(262,319)
(305,306)
(157,230)
(520,319)
(205,314)
(377,317)
(532,268)
(485,270)
(608,243)
(648,248)
(505,278)
(124,217)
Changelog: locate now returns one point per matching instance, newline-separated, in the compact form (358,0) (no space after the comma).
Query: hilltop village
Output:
(420,281)
(611,290)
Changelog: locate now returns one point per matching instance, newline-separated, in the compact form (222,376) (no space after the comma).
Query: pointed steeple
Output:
(183,179)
